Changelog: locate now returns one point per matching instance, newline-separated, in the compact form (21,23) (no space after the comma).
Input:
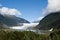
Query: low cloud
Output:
(9,11)
(25,26)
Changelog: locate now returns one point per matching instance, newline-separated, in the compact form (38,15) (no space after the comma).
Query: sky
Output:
(30,10)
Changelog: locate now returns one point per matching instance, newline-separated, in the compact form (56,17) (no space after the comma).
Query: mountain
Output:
(52,20)
(11,20)
(36,21)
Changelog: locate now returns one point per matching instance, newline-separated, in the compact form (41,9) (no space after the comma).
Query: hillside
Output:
(11,20)
(55,35)
(52,20)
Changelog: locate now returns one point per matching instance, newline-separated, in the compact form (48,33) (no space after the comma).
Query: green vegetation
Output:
(55,35)
(18,35)
(28,35)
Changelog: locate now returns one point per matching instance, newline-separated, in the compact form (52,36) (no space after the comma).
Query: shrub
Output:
(18,35)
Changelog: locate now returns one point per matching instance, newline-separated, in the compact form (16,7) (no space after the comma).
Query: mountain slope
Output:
(11,20)
(52,20)
(36,21)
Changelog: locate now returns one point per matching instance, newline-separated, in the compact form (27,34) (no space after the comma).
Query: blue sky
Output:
(31,10)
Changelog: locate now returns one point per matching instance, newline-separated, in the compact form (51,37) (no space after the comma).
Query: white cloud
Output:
(53,6)
(9,11)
